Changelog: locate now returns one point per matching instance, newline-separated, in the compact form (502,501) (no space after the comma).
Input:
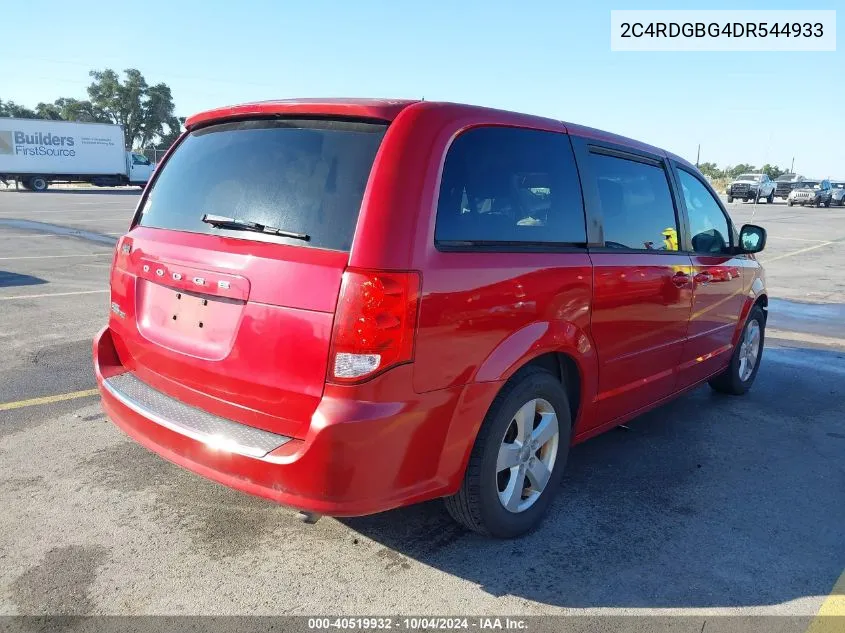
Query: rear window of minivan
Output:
(300,176)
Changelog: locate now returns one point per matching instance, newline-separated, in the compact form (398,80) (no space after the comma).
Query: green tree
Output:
(79,110)
(711,170)
(12,109)
(48,111)
(144,111)
(742,168)
(773,171)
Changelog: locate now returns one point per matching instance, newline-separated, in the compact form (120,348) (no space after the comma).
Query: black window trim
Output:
(593,208)
(490,246)
(687,240)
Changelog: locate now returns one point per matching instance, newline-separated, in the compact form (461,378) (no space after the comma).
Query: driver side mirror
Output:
(752,239)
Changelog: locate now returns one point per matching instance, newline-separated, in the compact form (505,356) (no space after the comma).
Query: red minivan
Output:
(347,306)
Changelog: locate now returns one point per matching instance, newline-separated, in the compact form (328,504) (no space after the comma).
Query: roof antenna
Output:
(422,98)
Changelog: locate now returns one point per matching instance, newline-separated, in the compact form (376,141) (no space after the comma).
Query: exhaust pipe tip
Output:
(309,518)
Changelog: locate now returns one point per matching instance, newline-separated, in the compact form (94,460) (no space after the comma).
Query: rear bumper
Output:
(360,455)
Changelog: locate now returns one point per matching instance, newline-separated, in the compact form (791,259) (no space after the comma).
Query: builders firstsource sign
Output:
(38,144)
(50,148)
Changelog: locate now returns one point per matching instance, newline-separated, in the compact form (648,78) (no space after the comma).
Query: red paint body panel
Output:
(639,324)
(382,109)
(720,291)
(639,328)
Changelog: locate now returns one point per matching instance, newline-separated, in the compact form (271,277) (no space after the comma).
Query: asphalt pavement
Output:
(708,505)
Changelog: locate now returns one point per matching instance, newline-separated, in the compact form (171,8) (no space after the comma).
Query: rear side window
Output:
(300,176)
(636,204)
(509,186)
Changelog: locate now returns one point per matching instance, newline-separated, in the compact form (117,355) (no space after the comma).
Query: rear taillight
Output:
(121,253)
(374,324)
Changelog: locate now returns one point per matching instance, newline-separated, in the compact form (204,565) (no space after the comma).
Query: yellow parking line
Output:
(831,615)
(6,406)
(798,252)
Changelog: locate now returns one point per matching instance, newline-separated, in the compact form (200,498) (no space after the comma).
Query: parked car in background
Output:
(810,193)
(277,326)
(752,187)
(785,183)
(837,195)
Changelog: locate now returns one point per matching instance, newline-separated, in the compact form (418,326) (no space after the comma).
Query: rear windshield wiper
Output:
(222,222)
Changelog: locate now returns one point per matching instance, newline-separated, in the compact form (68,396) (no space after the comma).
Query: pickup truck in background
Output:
(752,187)
(37,152)
(786,183)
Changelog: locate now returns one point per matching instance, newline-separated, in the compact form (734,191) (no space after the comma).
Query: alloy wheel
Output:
(749,350)
(527,455)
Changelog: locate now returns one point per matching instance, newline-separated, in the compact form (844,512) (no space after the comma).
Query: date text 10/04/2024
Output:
(419,623)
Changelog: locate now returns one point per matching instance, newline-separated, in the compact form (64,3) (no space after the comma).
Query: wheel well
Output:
(565,369)
(763,302)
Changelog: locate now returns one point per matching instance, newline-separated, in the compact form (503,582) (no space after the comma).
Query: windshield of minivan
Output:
(748,177)
(299,176)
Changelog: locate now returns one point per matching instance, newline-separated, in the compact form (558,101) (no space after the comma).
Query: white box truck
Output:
(36,152)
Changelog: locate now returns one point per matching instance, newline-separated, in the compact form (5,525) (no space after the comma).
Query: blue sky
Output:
(544,57)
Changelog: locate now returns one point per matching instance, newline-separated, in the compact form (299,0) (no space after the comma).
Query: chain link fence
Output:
(153,154)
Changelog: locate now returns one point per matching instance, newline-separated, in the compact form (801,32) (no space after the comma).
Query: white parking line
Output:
(29,234)
(32,235)
(54,294)
(55,256)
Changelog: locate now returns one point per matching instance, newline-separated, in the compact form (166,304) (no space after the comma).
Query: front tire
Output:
(518,457)
(771,198)
(739,375)
(789,203)
(730,199)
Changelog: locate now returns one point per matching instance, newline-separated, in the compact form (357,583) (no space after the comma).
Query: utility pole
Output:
(792,168)
(697,155)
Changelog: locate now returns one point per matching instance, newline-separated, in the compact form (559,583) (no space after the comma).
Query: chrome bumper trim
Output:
(214,431)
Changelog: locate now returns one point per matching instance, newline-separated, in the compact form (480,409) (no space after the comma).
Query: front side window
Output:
(636,204)
(509,186)
(709,229)
(138,159)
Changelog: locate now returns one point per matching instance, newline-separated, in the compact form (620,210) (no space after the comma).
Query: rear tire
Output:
(737,378)
(789,203)
(38,183)
(479,504)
